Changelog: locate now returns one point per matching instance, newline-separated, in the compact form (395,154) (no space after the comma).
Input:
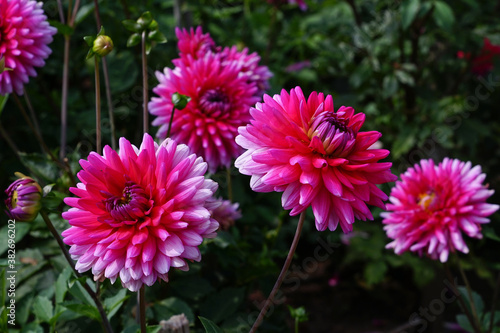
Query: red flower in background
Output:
(483,62)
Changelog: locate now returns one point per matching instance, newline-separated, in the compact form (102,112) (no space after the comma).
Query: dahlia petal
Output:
(161,263)
(149,249)
(172,246)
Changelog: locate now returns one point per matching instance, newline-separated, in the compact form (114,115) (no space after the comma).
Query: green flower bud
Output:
(102,46)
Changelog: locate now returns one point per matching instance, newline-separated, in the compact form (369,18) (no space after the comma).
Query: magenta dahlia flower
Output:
(220,103)
(194,43)
(250,68)
(23,199)
(24,36)
(433,205)
(139,212)
(317,157)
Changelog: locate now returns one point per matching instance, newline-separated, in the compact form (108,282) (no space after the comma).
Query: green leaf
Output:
(62,284)
(173,306)
(131,25)
(101,31)
(375,272)
(389,86)
(149,46)
(145,20)
(83,12)
(157,36)
(89,40)
(22,230)
(114,303)
(464,322)
(42,308)
(409,10)
(63,29)
(222,304)
(209,326)
(478,301)
(153,25)
(489,232)
(3,101)
(85,310)
(405,78)
(443,15)
(3,286)
(487,317)
(133,40)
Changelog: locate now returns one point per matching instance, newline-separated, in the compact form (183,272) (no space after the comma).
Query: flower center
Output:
(334,132)
(132,205)
(14,199)
(427,200)
(214,102)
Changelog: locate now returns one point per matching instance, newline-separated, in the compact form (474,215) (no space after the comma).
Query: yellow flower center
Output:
(426,200)
(14,199)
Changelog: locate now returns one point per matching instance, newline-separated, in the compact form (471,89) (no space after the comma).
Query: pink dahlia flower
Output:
(220,102)
(226,213)
(433,205)
(317,157)
(250,68)
(24,36)
(139,212)
(194,43)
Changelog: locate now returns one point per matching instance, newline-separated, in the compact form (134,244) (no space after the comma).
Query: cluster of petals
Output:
(226,213)
(316,156)
(220,103)
(24,36)
(140,212)
(433,205)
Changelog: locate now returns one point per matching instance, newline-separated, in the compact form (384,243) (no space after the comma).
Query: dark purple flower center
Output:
(133,204)
(215,102)
(334,132)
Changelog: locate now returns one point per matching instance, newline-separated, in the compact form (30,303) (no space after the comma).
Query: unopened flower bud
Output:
(23,199)
(103,45)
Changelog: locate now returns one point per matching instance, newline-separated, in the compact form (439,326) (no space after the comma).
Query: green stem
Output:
(170,122)
(493,304)
(460,299)
(144,83)
(32,112)
(142,307)
(283,272)
(97,107)
(106,82)
(92,293)
(469,293)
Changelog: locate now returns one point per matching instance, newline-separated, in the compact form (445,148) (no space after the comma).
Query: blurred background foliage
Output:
(413,67)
